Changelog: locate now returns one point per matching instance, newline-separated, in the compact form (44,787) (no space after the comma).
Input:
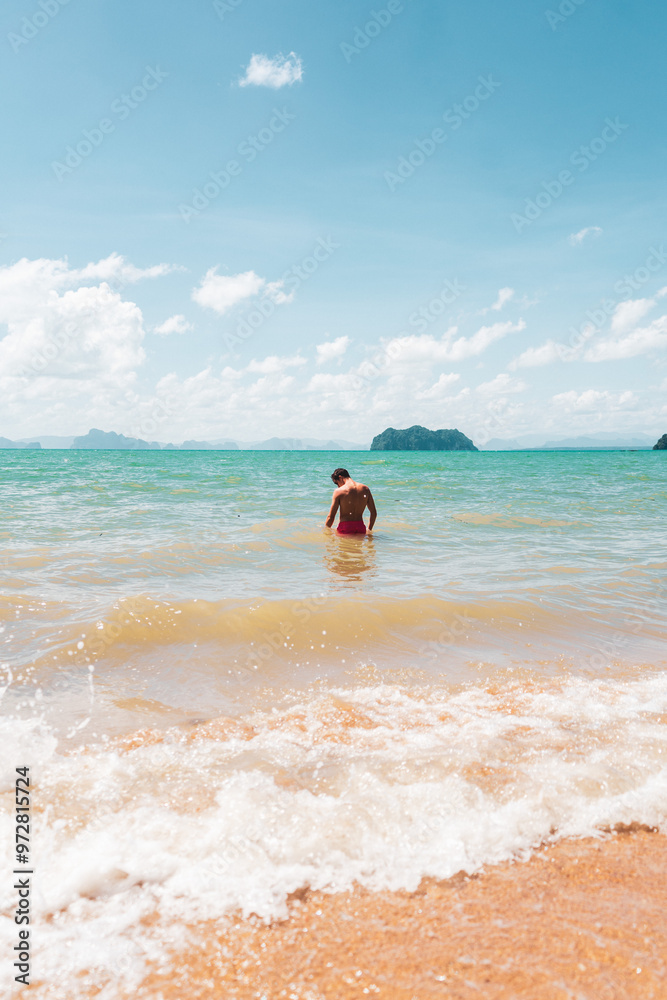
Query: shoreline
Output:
(580,918)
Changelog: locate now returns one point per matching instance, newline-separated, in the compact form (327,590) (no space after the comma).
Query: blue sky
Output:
(443,157)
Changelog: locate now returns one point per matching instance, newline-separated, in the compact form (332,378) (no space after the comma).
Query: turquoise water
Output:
(217,524)
(483,673)
(199,557)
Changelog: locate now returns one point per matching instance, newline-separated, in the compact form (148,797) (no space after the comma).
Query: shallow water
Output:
(221,701)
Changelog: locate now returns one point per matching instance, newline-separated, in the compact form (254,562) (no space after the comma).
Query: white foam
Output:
(379,786)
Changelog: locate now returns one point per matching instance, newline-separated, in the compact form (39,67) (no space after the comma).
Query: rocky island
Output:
(421,439)
(661,444)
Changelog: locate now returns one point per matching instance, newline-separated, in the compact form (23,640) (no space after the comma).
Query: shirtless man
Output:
(351,499)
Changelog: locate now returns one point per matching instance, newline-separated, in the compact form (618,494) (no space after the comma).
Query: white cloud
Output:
(501,385)
(175,324)
(615,346)
(331,384)
(280,71)
(221,292)
(231,373)
(505,295)
(536,357)
(278,396)
(576,238)
(440,388)
(332,350)
(642,341)
(274,291)
(273,364)
(84,333)
(25,285)
(466,347)
(72,350)
(115,268)
(594,401)
(426,349)
(56,331)
(69,357)
(274,385)
(627,314)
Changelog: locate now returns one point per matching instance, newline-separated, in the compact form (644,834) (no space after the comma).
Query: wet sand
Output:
(584,920)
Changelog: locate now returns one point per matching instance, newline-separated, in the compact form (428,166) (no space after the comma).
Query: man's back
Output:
(350,499)
(353,500)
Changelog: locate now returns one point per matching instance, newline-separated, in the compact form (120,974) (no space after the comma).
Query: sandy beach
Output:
(580,919)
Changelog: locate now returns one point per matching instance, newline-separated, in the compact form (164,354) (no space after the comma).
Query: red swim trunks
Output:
(351,528)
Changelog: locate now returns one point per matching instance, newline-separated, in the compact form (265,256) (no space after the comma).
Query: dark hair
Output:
(340,474)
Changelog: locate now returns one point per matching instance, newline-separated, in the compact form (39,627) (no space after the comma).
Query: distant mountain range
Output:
(97,439)
(602,439)
(532,442)
(6,443)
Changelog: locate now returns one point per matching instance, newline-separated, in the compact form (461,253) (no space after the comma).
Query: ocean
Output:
(223,704)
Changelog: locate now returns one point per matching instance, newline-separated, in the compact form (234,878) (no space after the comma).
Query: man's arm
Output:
(371,507)
(335,504)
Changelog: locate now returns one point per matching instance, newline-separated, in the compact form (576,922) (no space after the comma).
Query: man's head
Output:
(339,474)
